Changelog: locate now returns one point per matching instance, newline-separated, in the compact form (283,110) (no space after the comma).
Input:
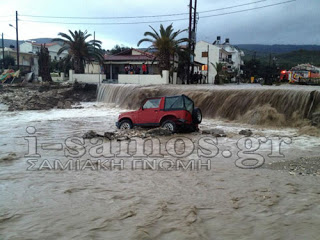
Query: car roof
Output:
(167,96)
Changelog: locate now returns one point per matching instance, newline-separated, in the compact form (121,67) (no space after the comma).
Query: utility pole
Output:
(207,81)
(189,44)
(94,41)
(193,34)
(17,33)
(2,52)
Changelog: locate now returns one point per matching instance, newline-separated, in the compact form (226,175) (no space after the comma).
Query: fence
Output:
(85,78)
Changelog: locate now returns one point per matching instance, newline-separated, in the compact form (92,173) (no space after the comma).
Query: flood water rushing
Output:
(222,202)
(276,105)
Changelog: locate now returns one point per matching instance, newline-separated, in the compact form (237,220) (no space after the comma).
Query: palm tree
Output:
(79,50)
(220,72)
(165,42)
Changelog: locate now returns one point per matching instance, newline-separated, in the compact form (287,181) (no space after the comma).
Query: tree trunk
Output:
(44,63)
(78,65)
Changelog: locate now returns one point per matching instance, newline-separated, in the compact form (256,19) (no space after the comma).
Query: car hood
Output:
(125,114)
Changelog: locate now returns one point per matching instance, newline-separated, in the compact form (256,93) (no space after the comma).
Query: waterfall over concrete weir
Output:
(271,105)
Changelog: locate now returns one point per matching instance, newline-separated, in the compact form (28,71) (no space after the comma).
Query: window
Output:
(189,104)
(230,56)
(174,103)
(204,54)
(152,103)
(204,67)
(55,57)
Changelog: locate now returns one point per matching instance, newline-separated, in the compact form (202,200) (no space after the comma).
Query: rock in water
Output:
(91,134)
(216,132)
(159,132)
(9,157)
(246,132)
(109,135)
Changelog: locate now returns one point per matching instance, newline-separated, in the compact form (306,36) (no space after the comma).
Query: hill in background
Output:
(277,48)
(286,56)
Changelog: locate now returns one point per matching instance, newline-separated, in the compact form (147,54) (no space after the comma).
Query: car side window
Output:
(152,103)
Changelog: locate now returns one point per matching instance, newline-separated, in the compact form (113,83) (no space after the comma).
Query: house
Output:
(28,61)
(133,58)
(233,58)
(33,47)
(126,67)
(206,53)
(209,54)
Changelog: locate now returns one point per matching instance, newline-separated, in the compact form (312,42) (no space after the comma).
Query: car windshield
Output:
(152,103)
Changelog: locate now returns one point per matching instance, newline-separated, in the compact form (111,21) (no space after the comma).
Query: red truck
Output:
(173,113)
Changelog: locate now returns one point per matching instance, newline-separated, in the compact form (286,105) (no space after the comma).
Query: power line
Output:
(110,23)
(224,8)
(158,21)
(147,16)
(250,9)
(7,21)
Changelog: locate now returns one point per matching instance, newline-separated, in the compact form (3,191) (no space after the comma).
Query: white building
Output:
(209,54)
(28,61)
(53,48)
(233,58)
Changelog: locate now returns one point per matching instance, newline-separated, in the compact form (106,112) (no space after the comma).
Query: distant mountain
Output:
(288,60)
(8,42)
(277,48)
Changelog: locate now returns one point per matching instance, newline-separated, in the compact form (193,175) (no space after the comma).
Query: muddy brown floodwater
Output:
(274,201)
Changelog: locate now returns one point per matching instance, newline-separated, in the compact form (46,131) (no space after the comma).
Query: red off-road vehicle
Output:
(173,113)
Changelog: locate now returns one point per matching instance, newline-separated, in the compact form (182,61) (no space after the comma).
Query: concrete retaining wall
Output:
(144,79)
(85,78)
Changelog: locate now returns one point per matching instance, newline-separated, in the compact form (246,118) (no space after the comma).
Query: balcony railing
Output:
(225,60)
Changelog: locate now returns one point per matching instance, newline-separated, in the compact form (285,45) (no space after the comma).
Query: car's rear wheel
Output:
(196,115)
(170,125)
(125,124)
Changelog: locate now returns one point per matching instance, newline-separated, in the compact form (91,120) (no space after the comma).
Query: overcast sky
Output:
(292,23)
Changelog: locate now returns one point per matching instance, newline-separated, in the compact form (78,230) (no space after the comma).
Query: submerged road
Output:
(277,200)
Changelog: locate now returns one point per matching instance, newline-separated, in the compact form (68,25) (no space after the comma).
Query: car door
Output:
(149,112)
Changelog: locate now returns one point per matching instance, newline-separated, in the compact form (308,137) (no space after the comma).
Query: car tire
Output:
(196,115)
(125,124)
(170,125)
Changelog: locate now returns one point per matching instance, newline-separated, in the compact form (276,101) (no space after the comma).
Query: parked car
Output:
(173,113)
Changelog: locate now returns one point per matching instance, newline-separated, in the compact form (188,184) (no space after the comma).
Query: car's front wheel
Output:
(125,124)
(170,125)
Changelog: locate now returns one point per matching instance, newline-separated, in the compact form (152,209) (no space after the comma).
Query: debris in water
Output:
(122,135)
(9,157)
(45,96)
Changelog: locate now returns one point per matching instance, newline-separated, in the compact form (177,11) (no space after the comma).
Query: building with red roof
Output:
(129,62)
